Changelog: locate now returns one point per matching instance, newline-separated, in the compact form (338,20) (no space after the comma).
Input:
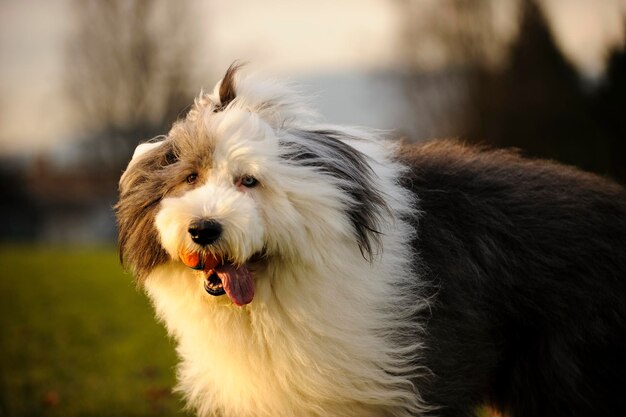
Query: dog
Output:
(314,270)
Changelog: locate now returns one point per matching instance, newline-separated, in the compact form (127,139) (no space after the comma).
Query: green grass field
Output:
(78,338)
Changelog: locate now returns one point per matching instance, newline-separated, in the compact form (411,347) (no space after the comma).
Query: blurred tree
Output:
(20,215)
(130,71)
(453,33)
(517,91)
(536,101)
(446,45)
(610,106)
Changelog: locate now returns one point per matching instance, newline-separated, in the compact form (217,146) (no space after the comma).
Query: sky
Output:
(584,28)
(297,39)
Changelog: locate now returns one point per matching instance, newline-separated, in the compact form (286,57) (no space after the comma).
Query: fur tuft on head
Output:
(227,92)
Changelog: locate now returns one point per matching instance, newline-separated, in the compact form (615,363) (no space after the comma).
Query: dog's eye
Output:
(192,178)
(248,181)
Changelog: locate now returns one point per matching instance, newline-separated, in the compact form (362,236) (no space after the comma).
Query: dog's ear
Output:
(227,92)
(141,187)
(328,152)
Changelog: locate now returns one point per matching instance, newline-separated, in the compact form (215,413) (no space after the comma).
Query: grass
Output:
(78,339)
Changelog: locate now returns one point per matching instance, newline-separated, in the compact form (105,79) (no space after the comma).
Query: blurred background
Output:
(84,81)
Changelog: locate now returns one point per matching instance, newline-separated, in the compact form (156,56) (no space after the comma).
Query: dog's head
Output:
(245,178)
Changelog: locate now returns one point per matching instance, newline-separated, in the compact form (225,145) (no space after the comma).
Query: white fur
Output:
(143,148)
(315,341)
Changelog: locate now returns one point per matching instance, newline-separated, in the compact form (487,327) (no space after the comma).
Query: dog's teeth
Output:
(212,282)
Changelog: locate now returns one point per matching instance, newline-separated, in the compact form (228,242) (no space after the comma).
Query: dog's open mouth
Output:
(213,285)
(222,277)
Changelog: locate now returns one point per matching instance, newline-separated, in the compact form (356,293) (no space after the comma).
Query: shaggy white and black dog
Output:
(311,270)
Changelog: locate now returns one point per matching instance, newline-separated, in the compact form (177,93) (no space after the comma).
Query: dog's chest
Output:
(255,366)
(240,361)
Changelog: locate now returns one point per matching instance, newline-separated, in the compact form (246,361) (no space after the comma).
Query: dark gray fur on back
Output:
(527,264)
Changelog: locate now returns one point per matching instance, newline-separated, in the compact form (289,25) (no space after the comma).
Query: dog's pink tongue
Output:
(237,283)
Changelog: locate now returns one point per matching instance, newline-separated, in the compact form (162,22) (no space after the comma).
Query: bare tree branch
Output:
(130,69)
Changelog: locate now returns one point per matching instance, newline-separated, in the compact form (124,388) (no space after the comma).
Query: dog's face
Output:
(234,184)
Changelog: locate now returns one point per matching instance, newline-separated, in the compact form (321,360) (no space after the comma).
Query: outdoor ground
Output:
(78,338)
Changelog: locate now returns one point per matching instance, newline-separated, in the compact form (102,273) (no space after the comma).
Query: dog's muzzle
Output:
(221,276)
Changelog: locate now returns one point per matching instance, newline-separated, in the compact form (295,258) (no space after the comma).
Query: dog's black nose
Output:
(205,232)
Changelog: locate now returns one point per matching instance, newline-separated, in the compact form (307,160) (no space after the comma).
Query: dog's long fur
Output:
(391,280)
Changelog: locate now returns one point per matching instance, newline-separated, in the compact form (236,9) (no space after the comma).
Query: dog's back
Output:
(527,265)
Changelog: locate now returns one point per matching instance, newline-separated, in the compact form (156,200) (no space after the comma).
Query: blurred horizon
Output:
(34,35)
(86,81)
